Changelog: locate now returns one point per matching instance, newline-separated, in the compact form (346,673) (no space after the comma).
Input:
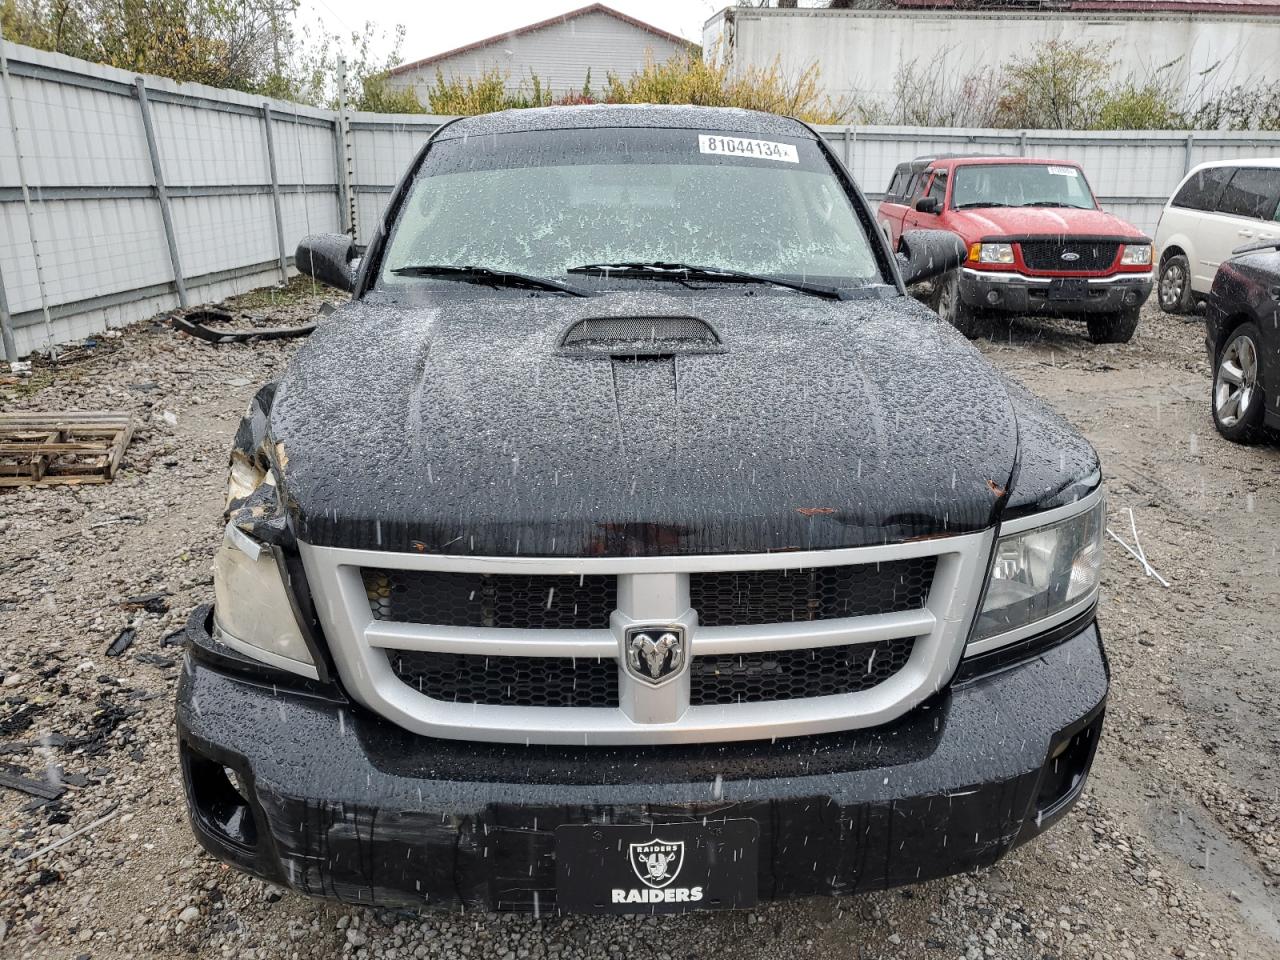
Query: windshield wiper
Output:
(979,203)
(1051,203)
(488,275)
(659,270)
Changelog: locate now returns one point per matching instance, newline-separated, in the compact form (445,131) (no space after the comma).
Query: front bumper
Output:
(333,801)
(1018,293)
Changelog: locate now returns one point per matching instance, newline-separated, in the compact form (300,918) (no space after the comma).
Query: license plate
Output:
(667,868)
(1068,289)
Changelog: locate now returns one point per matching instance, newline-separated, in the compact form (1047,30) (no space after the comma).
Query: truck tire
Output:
(950,306)
(1113,327)
(1173,289)
(1237,399)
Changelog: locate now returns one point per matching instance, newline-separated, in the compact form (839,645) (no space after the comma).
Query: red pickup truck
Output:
(1038,242)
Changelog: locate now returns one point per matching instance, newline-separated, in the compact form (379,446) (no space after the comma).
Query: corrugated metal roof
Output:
(542,24)
(1016,7)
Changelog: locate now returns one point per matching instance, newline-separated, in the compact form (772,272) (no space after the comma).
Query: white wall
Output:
(559,55)
(860,51)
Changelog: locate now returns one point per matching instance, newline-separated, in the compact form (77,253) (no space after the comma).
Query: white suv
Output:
(1218,207)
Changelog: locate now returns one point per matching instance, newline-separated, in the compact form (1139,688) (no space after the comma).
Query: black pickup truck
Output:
(632,542)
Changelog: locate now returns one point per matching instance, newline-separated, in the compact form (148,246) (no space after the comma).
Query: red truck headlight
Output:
(991,253)
(1136,255)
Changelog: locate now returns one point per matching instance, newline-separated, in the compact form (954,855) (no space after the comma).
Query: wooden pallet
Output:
(49,448)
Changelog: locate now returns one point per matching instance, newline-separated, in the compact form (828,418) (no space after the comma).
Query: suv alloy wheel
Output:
(1238,402)
(1174,288)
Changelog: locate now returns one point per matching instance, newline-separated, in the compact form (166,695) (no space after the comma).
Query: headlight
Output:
(252,612)
(991,252)
(1041,572)
(1136,255)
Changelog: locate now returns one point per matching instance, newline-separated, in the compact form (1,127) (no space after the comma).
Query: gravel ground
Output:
(1174,851)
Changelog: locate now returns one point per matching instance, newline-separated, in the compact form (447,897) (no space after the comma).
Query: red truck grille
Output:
(1057,255)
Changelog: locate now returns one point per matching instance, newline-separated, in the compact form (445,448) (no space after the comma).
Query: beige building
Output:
(559,52)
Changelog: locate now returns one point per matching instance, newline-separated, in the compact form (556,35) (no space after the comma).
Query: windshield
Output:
(542,202)
(1020,185)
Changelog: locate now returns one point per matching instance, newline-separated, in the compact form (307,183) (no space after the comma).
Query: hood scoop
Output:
(663,336)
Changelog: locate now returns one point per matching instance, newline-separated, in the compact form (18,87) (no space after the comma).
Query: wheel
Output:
(1113,327)
(950,306)
(1174,288)
(1238,401)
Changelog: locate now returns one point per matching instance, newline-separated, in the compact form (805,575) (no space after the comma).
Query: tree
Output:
(226,43)
(1059,84)
(249,45)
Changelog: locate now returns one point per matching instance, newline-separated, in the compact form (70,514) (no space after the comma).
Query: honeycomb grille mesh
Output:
(491,600)
(630,329)
(509,681)
(795,674)
(753,597)
(1047,255)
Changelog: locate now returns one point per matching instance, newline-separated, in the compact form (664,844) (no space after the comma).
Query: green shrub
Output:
(685,78)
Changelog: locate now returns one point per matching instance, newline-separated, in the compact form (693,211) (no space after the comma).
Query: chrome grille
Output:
(530,650)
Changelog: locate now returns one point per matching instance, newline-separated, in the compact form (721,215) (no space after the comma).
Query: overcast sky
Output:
(434,26)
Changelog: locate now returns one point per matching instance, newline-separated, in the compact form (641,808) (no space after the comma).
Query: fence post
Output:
(346,162)
(6,326)
(275,193)
(26,203)
(848,156)
(6,319)
(1022,143)
(1186,156)
(162,194)
(340,183)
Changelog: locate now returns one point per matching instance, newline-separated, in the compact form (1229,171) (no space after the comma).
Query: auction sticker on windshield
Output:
(1064,171)
(742,147)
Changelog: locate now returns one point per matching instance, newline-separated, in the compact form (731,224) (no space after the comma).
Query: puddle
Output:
(1215,862)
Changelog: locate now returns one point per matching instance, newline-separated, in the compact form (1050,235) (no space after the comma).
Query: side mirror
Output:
(327,257)
(924,254)
(929,205)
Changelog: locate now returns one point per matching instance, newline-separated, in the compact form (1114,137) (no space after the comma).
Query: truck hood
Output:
(995,222)
(464,426)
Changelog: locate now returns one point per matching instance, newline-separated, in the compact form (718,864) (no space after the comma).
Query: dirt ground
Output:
(1174,851)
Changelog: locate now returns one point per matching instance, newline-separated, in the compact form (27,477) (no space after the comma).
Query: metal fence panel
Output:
(200,146)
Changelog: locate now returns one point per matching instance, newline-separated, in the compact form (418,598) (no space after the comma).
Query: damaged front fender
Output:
(255,475)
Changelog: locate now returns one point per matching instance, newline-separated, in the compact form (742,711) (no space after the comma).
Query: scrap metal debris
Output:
(155,660)
(62,448)
(150,602)
(22,746)
(174,638)
(12,778)
(197,324)
(21,718)
(124,639)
